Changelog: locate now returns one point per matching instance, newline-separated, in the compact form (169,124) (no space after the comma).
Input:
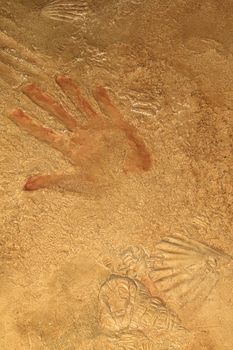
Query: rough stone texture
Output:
(168,67)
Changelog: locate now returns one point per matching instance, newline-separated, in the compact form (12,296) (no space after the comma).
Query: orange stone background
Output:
(169,69)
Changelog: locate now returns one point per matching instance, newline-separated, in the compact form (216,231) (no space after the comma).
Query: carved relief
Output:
(65,10)
(128,310)
(137,298)
(181,269)
(126,304)
(18,62)
(185,269)
(117,301)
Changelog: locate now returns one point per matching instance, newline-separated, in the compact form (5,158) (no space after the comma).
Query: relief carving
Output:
(65,10)
(126,305)
(137,298)
(182,269)
(18,62)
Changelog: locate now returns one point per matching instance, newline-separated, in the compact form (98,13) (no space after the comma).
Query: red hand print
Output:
(86,144)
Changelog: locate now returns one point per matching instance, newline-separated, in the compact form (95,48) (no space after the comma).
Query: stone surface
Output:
(122,256)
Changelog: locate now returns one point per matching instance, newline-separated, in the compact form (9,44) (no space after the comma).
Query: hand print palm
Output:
(86,143)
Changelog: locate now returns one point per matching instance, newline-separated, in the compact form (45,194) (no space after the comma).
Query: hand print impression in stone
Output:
(17,62)
(181,269)
(89,146)
(125,305)
(65,10)
(186,271)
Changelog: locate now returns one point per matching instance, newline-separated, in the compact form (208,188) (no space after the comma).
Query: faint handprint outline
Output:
(85,142)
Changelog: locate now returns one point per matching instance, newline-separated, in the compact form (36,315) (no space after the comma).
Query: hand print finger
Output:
(43,181)
(19,62)
(42,133)
(20,65)
(136,141)
(66,145)
(8,42)
(107,106)
(9,75)
(73,91)
(39,181)
(49,104)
